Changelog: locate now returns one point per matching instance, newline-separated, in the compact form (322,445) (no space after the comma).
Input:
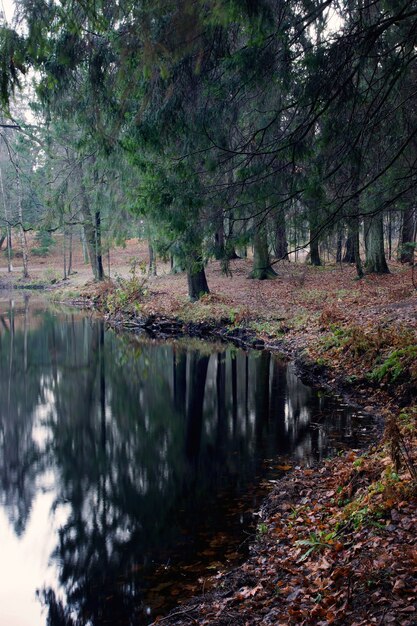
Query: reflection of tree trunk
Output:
(277,406)
(102,385)
(221,401)
(247,390)
(197,383)
(25,335)
(234,391)
(262,394)
(9,387)
(180,380)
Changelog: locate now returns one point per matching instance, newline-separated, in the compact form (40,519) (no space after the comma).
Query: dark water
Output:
(128,467)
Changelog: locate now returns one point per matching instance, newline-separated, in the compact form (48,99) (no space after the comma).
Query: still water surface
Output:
(128,466)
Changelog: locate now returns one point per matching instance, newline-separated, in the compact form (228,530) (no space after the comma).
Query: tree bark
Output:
(99,251)
(88,225)
(23,241)
(280,240)
(219,250)
(262,269)
(374,245)
(407,236)
(339,246)
(8,230)
(196,277)
(152,260)
(349,256)
(314,239)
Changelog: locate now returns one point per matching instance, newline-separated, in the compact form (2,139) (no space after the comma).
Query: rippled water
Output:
(129,467)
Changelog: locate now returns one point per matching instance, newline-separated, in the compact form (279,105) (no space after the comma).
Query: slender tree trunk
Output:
(84,246)
(314,234)
(8,230)
(88,224)
(152,259)
(407,236)
(356,169)
(219,251)
(70,253)
(262,269)
(23,241)
(64,250)
(339,246)
(389,235)
(2,240)
(99,251)
(230,249)
(356,251)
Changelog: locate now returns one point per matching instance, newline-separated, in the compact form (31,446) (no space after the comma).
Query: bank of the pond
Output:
(335,544)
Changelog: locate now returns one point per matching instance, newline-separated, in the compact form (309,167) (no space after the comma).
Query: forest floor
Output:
(336,544)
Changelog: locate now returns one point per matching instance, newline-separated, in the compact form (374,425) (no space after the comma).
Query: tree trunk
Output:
(70,254)
(230,250)
(8,230)
(280,240)
(84,246)
(23,241)
(374,245)
(339,246)
(88,225)
(407,236)
(349,256)
(219,250)
(314,236)
(262,269)
(64,249)
(99,252)
(196,277)
(2,240)
(152,259)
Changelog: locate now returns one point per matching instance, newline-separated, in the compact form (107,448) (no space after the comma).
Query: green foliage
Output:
(317,541)
(44,242)
(399,364)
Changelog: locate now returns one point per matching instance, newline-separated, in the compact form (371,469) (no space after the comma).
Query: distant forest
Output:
(210,128)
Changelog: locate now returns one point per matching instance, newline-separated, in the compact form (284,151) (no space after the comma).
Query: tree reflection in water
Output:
(141,438)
